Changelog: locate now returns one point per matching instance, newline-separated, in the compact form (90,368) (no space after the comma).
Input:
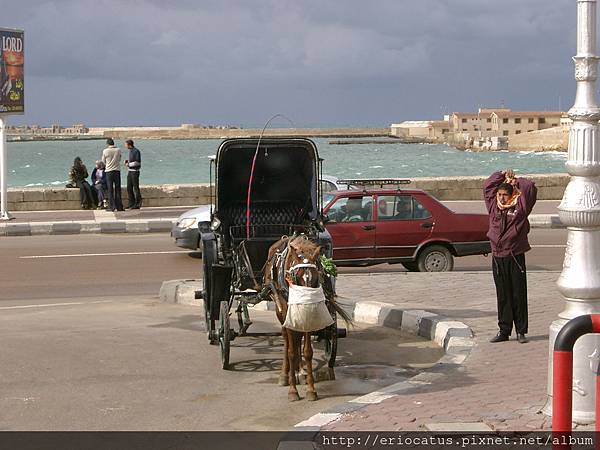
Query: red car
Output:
(410,227)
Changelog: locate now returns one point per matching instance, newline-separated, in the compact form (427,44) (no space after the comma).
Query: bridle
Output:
(307,275)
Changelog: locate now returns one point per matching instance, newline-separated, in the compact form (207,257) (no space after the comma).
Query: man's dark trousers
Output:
(113,179)
(133,189)
(510,276)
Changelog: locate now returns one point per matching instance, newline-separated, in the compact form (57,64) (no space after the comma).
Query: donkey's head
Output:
(303,261)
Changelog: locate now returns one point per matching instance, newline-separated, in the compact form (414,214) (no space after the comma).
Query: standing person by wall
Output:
(134,165)
(111,157)
(78,175)
(509,201)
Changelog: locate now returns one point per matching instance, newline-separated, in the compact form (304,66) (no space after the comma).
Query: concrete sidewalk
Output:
(145,220)
(499,386)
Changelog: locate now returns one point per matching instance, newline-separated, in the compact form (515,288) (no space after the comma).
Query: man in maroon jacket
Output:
(509,201)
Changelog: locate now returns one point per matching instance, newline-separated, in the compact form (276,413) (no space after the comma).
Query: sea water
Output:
(47,163)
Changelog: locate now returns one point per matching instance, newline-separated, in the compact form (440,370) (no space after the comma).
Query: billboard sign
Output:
(12,58)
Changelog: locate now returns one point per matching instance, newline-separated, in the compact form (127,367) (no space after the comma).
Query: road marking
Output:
(53,304)
(549,246)
(103,254)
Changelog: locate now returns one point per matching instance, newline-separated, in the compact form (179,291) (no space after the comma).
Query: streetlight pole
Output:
(4,215)
(579,210)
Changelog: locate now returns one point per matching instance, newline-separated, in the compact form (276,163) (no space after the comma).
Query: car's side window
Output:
(351,209)
(419,211)
(400,207)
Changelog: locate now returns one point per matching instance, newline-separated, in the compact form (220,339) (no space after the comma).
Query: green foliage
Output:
(328,266)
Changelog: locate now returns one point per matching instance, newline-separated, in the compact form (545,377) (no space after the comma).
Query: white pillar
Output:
(3,171)
(579,210)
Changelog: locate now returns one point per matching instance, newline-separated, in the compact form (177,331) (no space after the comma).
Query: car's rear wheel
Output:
(435,258)
(411,266)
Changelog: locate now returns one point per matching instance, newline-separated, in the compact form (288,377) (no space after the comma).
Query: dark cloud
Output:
(350,62)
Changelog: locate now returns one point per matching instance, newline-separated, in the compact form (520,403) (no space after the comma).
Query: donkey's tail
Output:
(341,312)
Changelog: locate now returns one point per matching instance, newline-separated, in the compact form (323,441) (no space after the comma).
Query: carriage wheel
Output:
(331,338)
(209,257)
(224,334)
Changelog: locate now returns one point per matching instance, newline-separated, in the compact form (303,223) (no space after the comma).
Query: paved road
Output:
(132,363)
(126,264)
(90,265)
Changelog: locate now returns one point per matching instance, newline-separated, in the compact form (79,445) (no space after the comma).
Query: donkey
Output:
(295,260)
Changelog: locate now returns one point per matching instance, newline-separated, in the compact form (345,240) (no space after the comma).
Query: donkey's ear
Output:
(316,252)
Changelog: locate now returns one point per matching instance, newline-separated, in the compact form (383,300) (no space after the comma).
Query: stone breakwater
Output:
(191,132)
(550,187)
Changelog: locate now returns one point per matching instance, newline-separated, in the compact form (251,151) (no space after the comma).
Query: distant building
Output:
(434,130)
(55,129)
(489,122)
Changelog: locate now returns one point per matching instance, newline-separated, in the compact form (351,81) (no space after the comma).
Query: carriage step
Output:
(198,295)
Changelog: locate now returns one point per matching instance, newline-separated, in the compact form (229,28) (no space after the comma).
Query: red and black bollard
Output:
(562,376)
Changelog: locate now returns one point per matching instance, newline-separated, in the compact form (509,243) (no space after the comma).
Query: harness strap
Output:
(302,266)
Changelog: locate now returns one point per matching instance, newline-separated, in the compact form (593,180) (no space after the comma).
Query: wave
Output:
(551,153)
(375,167)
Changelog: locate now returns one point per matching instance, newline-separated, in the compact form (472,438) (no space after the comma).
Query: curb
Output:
(182,292)
(162,225)
(545,221)
(454,337)
(86,227)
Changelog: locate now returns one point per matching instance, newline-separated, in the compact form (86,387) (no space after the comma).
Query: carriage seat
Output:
(265,218)
(262,213)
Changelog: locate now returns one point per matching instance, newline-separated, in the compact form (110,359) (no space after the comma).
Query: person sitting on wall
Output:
(78,175)
(99,183)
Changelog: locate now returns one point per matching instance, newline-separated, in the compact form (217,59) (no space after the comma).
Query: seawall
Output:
(222,133)
(550,187)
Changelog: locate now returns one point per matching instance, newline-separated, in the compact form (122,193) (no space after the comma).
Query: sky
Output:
(317,62)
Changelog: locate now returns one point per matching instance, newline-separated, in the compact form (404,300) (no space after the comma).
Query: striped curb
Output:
(161,226)
(86,227)
(545,221)
(454,337)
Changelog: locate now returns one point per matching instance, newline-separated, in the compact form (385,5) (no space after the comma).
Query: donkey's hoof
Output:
(311,396)
(293,397)
(283,380)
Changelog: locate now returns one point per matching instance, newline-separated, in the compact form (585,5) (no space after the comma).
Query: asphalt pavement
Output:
(497,386)
(134,363)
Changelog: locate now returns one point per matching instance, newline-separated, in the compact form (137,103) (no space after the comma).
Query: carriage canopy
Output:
(284,180)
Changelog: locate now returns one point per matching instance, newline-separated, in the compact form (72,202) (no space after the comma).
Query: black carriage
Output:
(263,189)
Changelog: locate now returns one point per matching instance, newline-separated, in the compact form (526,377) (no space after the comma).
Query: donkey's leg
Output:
(293,365)
(311,393)
(285,367)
